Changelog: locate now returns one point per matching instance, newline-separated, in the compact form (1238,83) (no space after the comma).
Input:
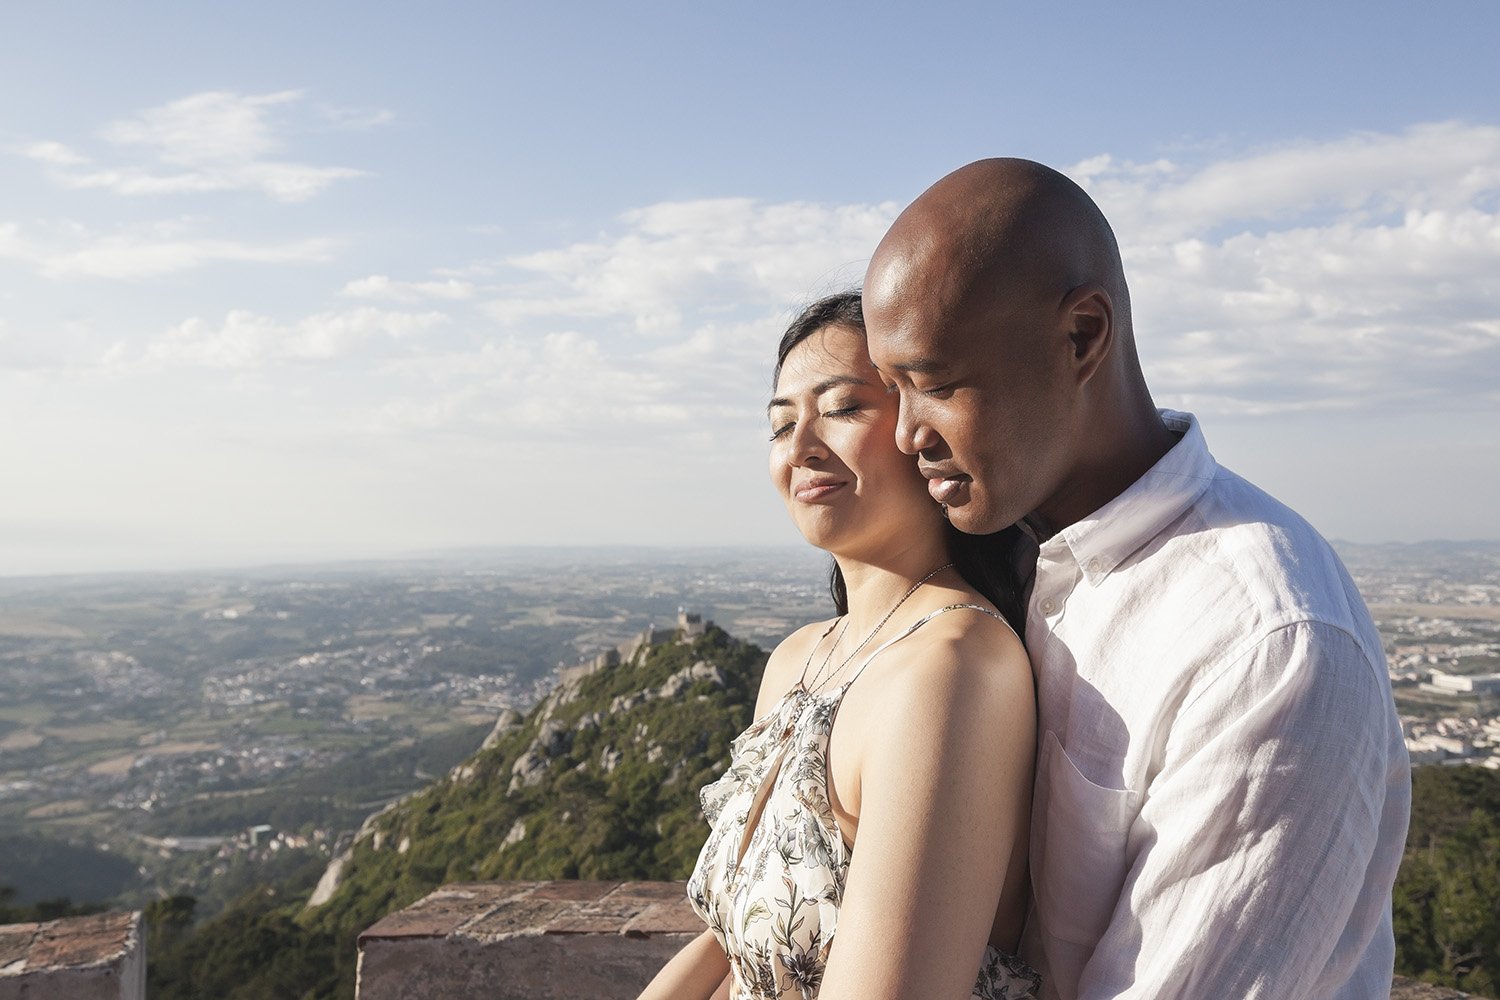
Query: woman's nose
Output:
(807,446)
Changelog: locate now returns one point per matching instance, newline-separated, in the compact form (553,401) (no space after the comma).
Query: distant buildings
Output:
(1444,683)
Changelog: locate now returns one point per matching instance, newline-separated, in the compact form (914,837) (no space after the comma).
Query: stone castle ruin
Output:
(690,625)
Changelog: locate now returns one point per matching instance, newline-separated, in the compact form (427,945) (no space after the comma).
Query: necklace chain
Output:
(818,677)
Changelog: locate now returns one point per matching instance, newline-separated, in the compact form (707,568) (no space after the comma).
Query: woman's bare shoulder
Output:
(959,655)
(784,666)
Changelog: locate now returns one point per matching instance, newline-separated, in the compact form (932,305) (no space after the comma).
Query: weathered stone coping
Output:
(540,940)
(532,940)
(99,957)
(1410,989)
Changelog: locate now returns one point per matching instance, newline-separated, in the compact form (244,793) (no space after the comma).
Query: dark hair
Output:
(986,562)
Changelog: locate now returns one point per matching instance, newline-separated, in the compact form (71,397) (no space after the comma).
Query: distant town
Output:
(160,733)
(1438,610)
(198,733)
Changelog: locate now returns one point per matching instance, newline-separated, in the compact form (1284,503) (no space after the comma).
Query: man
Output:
(1222,786)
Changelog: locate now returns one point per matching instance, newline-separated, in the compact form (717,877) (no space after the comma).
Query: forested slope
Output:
(600,780)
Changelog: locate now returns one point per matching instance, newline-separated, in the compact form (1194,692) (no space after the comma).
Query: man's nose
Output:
(913,435)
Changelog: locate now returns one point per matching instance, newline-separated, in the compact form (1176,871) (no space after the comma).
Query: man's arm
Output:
(1256,871)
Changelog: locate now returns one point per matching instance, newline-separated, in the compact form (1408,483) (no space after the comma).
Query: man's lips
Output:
(946,487)
(816,489)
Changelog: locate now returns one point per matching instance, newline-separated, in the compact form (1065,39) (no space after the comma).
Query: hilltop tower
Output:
(690,624)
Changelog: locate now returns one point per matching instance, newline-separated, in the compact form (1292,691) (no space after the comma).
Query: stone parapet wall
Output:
(526,941)
(100,957)
(555,941)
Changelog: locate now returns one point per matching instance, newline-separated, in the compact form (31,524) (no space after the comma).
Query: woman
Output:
(928,769)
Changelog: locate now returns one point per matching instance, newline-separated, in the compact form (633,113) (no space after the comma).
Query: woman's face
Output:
(834,458)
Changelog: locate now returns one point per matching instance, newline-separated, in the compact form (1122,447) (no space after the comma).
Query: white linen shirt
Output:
(1222,786)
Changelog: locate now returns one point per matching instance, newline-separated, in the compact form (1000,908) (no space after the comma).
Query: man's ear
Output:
(1090,316)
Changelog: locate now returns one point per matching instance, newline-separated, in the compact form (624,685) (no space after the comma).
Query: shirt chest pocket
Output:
(1080,850)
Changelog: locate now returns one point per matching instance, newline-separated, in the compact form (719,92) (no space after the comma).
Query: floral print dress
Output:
(771,895)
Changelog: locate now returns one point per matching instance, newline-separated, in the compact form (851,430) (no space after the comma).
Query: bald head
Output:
(997,306)
(999,229)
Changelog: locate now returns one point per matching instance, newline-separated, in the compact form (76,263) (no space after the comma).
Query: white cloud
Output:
(567,386)
(1344,275)
(662,328)
(126,257)
(280,181)
(247,340)
(69,250)
(735,252)
(379,286)
(1445,165)
(211,141)
(356,119)
(1363,286)
(54,153)
(1352,273)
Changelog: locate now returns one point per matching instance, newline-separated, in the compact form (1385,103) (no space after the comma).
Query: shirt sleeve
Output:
(1255,866)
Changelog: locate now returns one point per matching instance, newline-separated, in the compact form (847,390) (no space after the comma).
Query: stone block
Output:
(536,941)
(98,957)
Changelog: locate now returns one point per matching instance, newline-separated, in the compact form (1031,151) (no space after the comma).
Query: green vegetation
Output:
(255,950)
(37,868)
(47,909)
(615,798)
(1447,900)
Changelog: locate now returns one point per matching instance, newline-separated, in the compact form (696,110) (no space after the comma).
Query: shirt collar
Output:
(1104,539)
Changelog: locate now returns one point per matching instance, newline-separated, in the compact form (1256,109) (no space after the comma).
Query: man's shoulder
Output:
(1260,564)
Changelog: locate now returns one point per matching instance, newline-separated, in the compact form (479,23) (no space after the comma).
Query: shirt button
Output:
(1048,606)
(1093,566)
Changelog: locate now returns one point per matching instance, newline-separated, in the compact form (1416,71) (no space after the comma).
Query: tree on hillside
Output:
(1447,899)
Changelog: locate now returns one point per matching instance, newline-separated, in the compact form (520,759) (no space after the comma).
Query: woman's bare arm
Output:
(945,794)
(694,973)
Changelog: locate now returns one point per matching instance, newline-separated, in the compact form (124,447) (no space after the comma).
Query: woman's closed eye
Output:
(837,413)
(843,411)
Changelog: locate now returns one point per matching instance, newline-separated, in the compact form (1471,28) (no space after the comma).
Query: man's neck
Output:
(1127,447)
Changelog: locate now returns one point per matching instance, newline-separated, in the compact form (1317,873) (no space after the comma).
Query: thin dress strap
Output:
(918,624)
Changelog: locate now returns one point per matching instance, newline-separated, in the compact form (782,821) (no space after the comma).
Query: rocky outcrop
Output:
(509,720)
(688,676)
(528,770)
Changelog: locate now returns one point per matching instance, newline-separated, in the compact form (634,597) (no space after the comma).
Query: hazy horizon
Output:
(481,553)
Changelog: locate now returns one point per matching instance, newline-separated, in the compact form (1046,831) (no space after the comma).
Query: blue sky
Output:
(292,282)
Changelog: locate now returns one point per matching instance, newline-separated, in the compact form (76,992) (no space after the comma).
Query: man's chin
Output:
(973,519)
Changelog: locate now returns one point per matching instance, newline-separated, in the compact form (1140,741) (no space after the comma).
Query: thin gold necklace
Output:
(818,677)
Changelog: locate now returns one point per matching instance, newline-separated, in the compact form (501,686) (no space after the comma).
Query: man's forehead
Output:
(906,340)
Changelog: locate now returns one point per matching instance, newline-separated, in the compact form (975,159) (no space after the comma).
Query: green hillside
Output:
(600,780)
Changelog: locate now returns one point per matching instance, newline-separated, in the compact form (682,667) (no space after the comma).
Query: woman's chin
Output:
(820,534)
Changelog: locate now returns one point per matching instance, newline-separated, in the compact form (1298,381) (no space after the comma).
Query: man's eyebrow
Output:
(819,389)
(921,366)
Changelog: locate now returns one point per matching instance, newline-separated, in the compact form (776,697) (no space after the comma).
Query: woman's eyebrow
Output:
(819,389)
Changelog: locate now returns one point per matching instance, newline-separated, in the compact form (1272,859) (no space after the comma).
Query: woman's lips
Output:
(949,489)
(815,491)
